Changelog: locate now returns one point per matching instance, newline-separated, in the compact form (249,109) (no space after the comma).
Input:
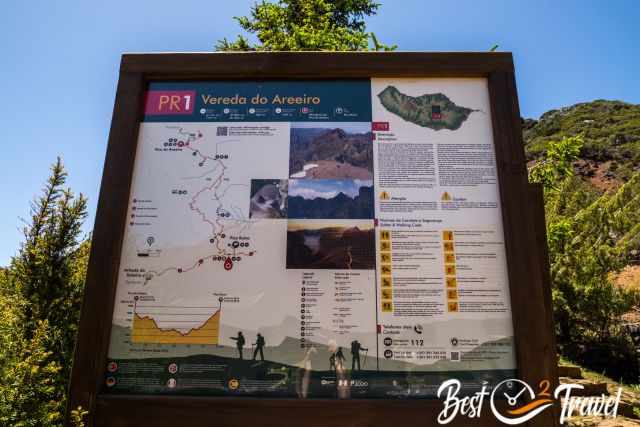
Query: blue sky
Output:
(60,66)
(354,127)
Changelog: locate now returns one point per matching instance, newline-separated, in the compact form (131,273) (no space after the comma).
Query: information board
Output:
(312,235)
(313,239)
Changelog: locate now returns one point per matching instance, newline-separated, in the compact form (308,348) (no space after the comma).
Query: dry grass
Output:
(628,278)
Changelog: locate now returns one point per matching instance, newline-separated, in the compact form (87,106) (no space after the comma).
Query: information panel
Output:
(313,239)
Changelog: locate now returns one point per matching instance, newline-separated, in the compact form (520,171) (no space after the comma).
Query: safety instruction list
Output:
(313,239)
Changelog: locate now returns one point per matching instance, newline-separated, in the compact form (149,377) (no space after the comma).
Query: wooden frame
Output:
(524,232)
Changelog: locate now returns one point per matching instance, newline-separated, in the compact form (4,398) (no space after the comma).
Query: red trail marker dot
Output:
(228,264)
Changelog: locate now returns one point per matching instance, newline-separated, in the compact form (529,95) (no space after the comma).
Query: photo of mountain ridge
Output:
(333,244)
(329,199)
(331,151)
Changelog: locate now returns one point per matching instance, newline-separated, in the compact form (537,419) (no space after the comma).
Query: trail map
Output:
(312,239)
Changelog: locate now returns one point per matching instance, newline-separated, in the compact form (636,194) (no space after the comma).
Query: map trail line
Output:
(217,226)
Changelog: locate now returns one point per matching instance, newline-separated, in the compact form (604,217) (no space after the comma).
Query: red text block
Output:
(380,126)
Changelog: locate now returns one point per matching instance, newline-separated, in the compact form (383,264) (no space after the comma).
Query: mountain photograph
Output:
(331,151)
(334,244)
(330,199)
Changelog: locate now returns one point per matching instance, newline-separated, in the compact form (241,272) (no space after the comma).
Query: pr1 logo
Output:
(163,102)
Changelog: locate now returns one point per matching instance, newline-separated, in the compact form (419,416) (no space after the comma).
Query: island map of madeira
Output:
(434,110)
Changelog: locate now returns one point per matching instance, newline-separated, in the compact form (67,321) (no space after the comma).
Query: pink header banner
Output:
(163,102)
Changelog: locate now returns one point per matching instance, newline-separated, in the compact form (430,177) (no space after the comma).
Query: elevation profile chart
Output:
(158,324)
(312,239)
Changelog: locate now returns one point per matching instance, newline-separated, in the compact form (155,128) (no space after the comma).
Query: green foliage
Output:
(40,296)
(557,164)
(77,417)
(29,394)
(610,129)
(590,236)
(295,25)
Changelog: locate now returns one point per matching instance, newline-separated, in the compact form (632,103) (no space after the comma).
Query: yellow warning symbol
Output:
(446,197)
(387,306)
(385,257)
(385,245)
(386,293)
(450,270)
(448,246)
(452,306)
(385,235)
(385,269)
(451,282)
(447,235)
(449,258)
(452,294)
(386,281)
(384,195)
